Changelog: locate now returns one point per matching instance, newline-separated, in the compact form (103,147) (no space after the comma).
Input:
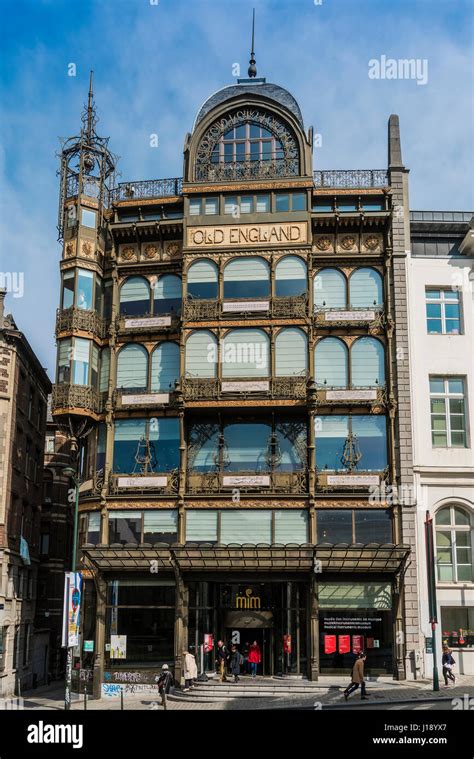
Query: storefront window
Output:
(125,527)
(353,526)
(142,613)
(457,626)
(158,439)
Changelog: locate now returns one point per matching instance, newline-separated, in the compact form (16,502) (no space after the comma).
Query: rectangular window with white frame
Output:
(448,412)
(443,311)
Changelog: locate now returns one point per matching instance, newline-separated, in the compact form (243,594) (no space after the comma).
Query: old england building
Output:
(233,359)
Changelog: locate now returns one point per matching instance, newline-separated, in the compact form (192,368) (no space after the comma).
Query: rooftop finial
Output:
(253,67)
(89,116)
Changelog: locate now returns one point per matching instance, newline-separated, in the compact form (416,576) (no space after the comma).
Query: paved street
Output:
(325,694)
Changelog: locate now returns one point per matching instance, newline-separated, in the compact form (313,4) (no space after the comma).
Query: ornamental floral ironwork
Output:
(208,170)
(76,319)
(77,397)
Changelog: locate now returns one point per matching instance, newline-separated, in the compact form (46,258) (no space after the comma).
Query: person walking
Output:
(236,661)
(255,657)
(190,670)
(357,678)
(165,681)
(448,664)
(222,656)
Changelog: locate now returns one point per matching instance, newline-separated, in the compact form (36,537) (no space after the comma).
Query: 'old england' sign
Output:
(248,234)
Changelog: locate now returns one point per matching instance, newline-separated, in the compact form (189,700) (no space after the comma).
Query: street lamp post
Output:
(431,573)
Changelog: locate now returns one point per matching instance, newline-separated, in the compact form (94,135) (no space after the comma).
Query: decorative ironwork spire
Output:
(351,454)
(253,67)
(89,116)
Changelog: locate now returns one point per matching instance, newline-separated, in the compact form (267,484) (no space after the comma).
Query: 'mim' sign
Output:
(248,601)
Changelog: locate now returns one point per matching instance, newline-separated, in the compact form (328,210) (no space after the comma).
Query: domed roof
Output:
(270,91)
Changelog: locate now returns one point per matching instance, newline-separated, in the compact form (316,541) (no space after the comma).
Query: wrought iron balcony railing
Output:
(351,178)
(275,308)
(77,320)
(81,397)
(152,188)
(276,388)
(247,169)
(247,482)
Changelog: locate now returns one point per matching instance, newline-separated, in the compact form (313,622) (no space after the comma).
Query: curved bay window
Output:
(454,538)
(78,362)
(249,144)
(81,289)
(351,443)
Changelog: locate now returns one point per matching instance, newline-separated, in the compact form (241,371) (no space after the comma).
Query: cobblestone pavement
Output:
(327,694)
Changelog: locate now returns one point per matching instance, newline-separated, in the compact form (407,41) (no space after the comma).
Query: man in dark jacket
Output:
(357,678)
(448,664)
(222,656)
(165,681)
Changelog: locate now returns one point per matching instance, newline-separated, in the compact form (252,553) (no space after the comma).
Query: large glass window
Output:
(132,368)
(247,278)
(78,290)
(291,347)
(246,353)
(330,289)
(157,439)
(160,526)
(167,295)
(247,142)
(202,281)
(201,354)
(367,362)
(365,289)
(454,545)
(448,413)
(331,363)
(443,311)
(165,368)
(135,297)
(68,289)
(334,526)
(85,286)
(340,438)
(125,527)
(247,446)
(290,277)
(78,361)
(245,526)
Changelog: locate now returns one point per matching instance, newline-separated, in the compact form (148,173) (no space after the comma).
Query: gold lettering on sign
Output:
(248,234)
(247,602)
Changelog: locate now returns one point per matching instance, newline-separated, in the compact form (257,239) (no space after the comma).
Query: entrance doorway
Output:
(244,637)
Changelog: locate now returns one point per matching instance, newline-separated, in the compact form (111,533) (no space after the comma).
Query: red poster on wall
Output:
(287,644)
(329,644)
(208,642)
(357,644)
(344,644)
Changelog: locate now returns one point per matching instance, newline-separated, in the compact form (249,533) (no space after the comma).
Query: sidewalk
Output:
(327,694)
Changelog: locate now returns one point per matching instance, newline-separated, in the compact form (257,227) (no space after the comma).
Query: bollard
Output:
(85,697)
(121,697)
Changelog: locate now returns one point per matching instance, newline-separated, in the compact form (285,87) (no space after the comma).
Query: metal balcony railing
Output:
(351,178)
(261,482)
(76,319)
(151,188)
(81,397)
(276,388)
(276,308)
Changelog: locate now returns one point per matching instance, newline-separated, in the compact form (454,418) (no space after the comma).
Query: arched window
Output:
(135,297)
(247,142)
(367,362)
(291,347)
(167,295)
(246,353)
(330,289)
(247,278)
(202,282)
(164,367)
(290,277)
(365,289)
(201,354)
(454,544)
(331,363)
(132,368)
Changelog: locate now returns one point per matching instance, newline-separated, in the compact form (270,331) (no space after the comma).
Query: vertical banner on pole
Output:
(72,609)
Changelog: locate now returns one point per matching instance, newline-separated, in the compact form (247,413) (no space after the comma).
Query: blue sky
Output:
(156,62)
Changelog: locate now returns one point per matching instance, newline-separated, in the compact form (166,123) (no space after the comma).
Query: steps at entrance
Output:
(253,688)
